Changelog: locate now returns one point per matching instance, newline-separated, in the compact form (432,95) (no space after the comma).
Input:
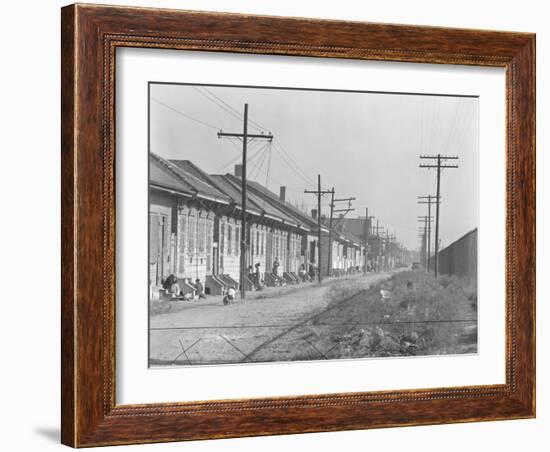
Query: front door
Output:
(215,261)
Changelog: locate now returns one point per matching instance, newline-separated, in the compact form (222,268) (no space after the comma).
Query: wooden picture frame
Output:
(90,35)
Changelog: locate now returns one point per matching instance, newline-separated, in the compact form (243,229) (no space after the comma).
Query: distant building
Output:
(460,257)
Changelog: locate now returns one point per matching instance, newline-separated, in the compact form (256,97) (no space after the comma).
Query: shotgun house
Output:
(272,234)
(303,245)
(195,228)
(346,255)
(181,223)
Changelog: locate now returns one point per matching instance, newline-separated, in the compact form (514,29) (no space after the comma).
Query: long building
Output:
(195,222)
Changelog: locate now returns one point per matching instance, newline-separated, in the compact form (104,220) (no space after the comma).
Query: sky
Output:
(365,145)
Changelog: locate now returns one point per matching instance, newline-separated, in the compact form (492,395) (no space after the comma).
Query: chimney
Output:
(314,213)
(282,193)
(239,170)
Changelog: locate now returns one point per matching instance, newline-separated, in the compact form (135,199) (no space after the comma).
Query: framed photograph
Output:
(281,225)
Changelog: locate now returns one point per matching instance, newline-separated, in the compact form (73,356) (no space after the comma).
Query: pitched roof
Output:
(230,186)
(301,217)
(233,185)
(167,174)
(184,176)
(353,226)
(159,176)
(189,167)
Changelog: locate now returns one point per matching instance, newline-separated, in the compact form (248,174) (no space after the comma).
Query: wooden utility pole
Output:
(329,265)
(319,224)
(379,239)
(367,232)
(319,193)
(427,220)
(332,212)
(428,200)
(441,164)
(422,238)
(244,136)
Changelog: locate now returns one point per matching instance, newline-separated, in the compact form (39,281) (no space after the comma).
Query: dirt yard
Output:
(270,325)
(342,318)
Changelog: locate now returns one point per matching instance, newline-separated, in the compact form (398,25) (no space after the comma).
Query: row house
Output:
(181,222)
(195,227)
(303,246)
(347,254)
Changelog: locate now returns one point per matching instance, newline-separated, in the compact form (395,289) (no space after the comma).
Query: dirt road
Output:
(276,325)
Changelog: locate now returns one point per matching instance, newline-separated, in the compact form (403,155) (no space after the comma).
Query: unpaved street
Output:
(277,324)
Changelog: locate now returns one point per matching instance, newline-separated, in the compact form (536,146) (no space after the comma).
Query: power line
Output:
(283,149)
(227,107)
(207,96)
(294,167)
(452,132)
(254,124)
(235,159)
(250,121)
(287,158)
(267,173)
(256,170)
(185,115)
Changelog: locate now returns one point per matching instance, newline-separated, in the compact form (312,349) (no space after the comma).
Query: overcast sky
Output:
(365,145)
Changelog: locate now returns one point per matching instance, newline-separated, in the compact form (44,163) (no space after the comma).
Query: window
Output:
(209,233)
(192,234)
(229,240)
(263,235)
(182,236)
(201,235)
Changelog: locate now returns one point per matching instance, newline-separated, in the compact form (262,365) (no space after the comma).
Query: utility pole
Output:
(319,193)
(378,228)
(393,249)
(427,220)
(441,164)
(332,212)
(422,238)
(367,232)
(387,250)
(428,200)
(329,266)
(244,136)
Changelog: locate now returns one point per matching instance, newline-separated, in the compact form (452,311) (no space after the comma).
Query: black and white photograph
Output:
(295,224)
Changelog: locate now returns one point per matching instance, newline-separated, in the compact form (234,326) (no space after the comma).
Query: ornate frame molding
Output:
(90,37)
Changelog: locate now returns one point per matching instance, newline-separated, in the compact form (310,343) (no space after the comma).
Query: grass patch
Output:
(422,316)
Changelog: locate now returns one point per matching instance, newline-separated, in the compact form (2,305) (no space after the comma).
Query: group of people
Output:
(279,280)
(307,275)
(255,276)
(172,286)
